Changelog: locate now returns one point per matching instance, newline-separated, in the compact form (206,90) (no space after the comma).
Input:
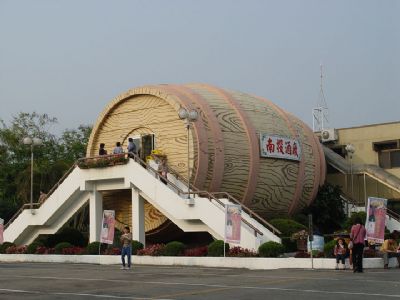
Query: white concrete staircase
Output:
(392,221)
(202,212)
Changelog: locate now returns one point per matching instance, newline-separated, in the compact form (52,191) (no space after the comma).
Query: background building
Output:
(373,169)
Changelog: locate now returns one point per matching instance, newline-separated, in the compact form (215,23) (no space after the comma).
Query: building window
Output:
(386,145)
(388,153)
(395,158)
(389,159)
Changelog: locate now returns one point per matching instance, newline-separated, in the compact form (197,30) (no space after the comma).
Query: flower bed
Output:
(102,162)
(161,250)
(16,250)
(73,251)
(199,251)
(153,250)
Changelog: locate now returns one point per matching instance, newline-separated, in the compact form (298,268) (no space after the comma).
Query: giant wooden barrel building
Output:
(224,143)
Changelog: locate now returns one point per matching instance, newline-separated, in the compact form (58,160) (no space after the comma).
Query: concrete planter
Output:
(227,262)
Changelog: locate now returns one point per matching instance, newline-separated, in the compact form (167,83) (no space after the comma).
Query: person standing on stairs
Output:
(131,147)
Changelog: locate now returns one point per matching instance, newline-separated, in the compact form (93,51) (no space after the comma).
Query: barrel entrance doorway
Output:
(144,144)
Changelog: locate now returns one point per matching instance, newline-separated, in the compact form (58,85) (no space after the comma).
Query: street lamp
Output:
(189,116)
(350,150)
(32,142)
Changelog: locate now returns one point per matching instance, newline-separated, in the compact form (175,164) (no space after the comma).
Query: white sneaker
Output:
(122,268)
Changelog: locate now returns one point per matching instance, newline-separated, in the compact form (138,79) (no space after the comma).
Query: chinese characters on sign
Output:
(233,219)
(376,217)
(279,147)
(107,227)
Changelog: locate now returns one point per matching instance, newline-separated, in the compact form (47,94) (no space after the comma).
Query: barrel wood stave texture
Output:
(224,143)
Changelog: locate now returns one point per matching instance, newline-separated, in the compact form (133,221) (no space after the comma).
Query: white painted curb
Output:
(255,263)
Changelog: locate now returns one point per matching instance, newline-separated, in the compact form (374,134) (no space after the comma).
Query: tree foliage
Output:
(51,160)
(327,209)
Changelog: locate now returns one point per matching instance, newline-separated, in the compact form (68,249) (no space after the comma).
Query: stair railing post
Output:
(189,115)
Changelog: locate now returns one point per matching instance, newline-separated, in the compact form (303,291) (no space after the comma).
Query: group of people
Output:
(389,248)
(118,148)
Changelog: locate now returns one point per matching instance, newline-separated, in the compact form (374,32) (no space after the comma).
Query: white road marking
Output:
(136,266)
(19,291)
(79,294)
(351,277)
(216,286)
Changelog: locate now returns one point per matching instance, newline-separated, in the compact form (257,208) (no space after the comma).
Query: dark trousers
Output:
(358,250)
(126,251)
(340,257)
(388,255)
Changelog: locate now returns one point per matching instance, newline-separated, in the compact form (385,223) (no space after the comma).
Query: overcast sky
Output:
(70,58)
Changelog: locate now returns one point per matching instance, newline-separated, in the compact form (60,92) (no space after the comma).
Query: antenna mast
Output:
(320,113)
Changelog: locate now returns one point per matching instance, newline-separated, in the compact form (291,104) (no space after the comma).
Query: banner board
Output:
(1,231)
(233,219)
(107,227)
(318,243)
(279,147)
(376,217)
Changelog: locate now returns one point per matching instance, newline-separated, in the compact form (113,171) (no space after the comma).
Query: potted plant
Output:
(301,238)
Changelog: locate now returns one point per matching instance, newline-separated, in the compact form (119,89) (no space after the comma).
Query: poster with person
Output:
(233,218)
(376,217)
(107,227)
(1,231)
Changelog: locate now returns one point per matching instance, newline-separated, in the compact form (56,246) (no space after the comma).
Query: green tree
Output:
(51,160)
(73,143)
(327,209)
(15,156)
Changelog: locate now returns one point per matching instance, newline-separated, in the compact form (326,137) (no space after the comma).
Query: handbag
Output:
(350,246)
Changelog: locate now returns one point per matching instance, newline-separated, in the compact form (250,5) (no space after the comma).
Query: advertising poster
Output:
(376,217)
(1,230)
(233,218)
(107,227)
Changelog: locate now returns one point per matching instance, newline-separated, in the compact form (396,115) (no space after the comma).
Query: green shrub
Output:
(93,248)
(289,245)
(270,249)
(287,227)
(136,245)
(31,249)
(216,248)
(70,235)
(328,248)
(174,249)
(60,246)
(4,246)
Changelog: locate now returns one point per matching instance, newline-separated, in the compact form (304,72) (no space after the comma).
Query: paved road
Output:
(83,281)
